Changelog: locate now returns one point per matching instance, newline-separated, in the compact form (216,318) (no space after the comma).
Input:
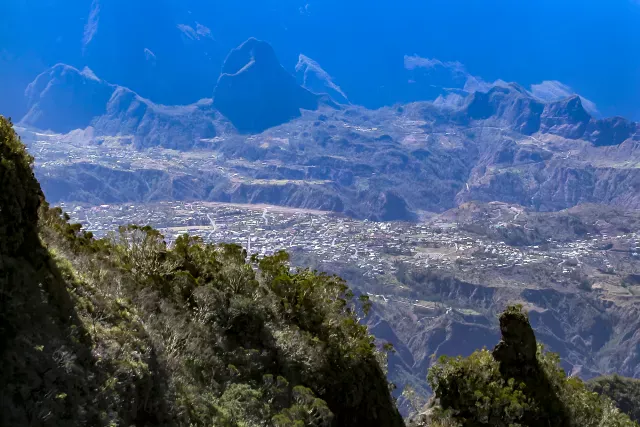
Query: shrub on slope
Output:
(129,331)
(517,384)
(625,392)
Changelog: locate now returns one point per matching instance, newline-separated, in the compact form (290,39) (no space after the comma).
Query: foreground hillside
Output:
(127,331)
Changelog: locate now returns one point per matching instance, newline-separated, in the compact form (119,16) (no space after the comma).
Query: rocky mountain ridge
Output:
(266,139)
(64,99)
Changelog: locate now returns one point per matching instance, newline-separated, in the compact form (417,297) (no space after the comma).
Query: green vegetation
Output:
(129,331)
(516,384)
(625,392)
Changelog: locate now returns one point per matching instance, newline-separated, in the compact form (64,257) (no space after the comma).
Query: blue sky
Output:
(593,46)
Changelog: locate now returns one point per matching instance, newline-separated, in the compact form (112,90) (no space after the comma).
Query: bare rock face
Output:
(255,92)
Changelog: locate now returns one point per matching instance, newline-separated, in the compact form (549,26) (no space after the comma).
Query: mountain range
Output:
(172,52)
(278,142)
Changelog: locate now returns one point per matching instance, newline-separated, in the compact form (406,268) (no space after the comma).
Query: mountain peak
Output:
(255,92)
(567,117)
(570,108)
(509,105)
(64,98)
(252,52)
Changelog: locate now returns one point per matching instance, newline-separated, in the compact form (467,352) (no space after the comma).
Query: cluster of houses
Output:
(374,247)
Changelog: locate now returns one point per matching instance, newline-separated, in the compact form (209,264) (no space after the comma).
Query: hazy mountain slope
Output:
(64,98)
(556,91)
(311,76)
(502,145)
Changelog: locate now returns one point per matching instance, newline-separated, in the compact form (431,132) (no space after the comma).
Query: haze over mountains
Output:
(278,142)
(171,52)
(255,92)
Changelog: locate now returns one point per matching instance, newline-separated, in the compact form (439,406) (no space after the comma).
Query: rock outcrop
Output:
(255,92)
(516,353)
(517,350)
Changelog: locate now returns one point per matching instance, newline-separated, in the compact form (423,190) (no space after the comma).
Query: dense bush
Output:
(129,331)
(196,334)
(517,384)
(625,392)
(20,195)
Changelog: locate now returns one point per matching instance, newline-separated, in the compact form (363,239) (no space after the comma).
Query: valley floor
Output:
(447,275)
